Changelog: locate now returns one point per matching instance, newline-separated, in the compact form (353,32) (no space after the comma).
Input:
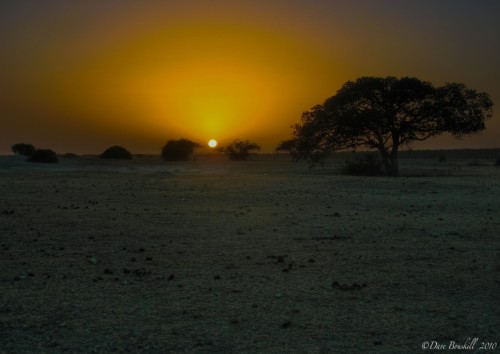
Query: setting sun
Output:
(212,143)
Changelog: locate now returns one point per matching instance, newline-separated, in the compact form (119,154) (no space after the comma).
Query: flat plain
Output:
(264,256)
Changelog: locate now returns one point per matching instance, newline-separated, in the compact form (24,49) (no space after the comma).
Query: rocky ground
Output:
(260,257)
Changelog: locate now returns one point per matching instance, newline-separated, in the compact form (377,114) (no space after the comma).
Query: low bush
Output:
(70,155)
(239,150)
(178,150)
(116,152)
(368,165)
(43,155)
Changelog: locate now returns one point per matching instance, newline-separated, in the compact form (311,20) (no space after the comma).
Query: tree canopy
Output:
(178,150)
(43,155)
(23,149)
(386,113)
(239,150)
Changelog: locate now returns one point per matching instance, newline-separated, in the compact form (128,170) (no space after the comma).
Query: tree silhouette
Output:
(239,150)
(287,145)
(178,150)
(116,152)
(23,149)
(43,155)
(386,113)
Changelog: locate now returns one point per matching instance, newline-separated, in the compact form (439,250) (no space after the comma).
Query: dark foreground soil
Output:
(262,257)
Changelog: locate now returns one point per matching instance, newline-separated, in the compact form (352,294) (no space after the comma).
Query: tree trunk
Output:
(386,161)
(394,171)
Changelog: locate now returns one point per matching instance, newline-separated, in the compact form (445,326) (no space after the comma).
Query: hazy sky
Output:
(79,76)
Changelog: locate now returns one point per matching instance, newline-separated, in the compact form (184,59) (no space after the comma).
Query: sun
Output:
(212,143)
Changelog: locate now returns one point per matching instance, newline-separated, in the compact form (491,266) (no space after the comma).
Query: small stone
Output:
(286,324)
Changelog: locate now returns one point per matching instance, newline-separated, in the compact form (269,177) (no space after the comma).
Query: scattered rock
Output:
(286,324)
(346,287)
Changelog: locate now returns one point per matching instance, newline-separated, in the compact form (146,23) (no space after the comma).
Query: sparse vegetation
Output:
(239,150)
(44,156)
(178,150)
(116,152)
(287,145)
(368,165)
(23,149)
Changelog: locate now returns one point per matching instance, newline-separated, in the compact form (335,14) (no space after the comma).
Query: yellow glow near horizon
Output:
(82,75)
(188,80)
(212,143)
(228,81)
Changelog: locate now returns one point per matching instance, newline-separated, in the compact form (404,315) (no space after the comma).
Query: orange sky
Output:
(83,76)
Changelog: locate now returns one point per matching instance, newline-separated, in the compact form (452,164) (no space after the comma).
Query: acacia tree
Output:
(23,149)
(386,113)
(239,150)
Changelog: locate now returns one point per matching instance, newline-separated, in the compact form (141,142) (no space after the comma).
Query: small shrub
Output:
(116,152)
(70,155)
(43,155)
(287,145)
(178,150)
(368,165)
(239,150)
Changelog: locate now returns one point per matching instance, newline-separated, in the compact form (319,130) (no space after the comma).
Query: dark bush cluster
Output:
(23,149)
(368,165)
(116,152)
(239,150)
(178,150)
(43,155)
(70,155)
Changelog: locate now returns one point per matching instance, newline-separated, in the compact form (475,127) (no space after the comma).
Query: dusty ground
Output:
(265,257)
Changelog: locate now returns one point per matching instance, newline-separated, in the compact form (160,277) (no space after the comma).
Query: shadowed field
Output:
(265,256)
